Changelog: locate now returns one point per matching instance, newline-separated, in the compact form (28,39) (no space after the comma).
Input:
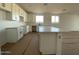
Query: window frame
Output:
(38,22)
(55,19)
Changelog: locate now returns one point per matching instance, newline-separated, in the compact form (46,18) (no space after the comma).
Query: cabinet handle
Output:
(59,37)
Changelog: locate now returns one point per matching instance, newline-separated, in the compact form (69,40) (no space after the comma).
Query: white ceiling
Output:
(53,8)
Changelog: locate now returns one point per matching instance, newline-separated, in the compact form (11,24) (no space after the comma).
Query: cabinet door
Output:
(6,6)
(21,12)
(2,5)
(25,16)
(12,35)
(15,11)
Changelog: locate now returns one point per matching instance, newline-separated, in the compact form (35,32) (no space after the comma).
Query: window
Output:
(39,19)
(55,19)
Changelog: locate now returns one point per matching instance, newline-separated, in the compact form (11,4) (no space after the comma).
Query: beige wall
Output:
(69,22)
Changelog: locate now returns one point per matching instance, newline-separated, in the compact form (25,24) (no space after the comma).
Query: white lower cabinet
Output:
(14,34)
(48,43)
(59,44)
(25,29)
(69,43)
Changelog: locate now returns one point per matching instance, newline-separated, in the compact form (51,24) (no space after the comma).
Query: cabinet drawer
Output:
(70,49)
(70,35)
(70,52)
(70,40)
(70,46)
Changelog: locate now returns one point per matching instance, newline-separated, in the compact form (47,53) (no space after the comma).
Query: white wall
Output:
(4,23)
(69,22)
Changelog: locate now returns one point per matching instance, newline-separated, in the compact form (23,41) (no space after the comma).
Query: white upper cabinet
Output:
(21,12)
(6,6)
(17,13)
(23,15)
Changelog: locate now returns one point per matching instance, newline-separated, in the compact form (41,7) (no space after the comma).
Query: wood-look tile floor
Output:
(28,45)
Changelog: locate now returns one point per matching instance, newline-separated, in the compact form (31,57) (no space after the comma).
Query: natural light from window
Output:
(39,19)
(55,19)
